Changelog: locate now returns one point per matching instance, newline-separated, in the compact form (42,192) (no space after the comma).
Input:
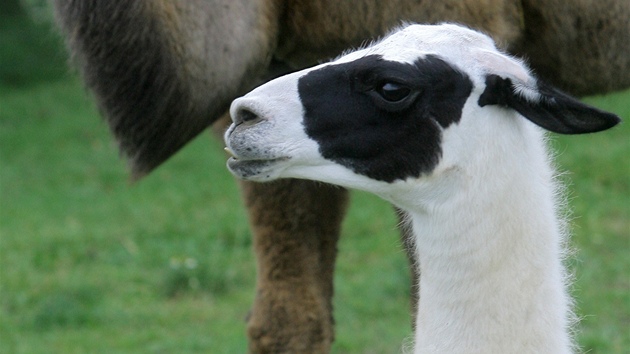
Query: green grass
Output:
(92,263)
(31,51)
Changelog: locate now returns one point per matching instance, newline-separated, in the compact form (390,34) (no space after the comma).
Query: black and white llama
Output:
(439,122)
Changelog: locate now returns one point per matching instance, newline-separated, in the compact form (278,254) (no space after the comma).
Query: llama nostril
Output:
(246,116)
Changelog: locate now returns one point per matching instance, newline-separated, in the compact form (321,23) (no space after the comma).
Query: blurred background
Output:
(90,262)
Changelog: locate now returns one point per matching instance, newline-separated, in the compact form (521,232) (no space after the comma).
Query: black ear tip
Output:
(604,121)
(580,119)
(613,120)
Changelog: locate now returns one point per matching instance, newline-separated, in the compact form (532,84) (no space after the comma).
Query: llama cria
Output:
(431,118)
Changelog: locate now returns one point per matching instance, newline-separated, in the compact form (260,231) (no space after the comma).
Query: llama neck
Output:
(492,279)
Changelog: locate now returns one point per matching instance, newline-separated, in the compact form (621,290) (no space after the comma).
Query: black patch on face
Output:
(383,119)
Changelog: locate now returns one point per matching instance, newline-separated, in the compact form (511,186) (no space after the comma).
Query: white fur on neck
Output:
(491,254)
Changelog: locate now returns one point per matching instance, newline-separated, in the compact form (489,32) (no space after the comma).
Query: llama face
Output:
(375,114)
(425,100)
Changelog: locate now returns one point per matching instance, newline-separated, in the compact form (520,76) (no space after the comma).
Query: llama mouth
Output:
(230,152)
(255,169)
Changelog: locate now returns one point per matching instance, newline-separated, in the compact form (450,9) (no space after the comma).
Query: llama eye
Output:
(393,92)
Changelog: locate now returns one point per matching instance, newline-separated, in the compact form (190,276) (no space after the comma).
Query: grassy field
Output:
(92,263)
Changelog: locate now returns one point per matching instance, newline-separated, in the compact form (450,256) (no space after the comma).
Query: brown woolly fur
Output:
(153,66)
(162,71)
(295,273)
(328,27)
(563,38)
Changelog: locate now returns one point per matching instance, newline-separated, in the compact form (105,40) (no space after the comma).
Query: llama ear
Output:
(546,106)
